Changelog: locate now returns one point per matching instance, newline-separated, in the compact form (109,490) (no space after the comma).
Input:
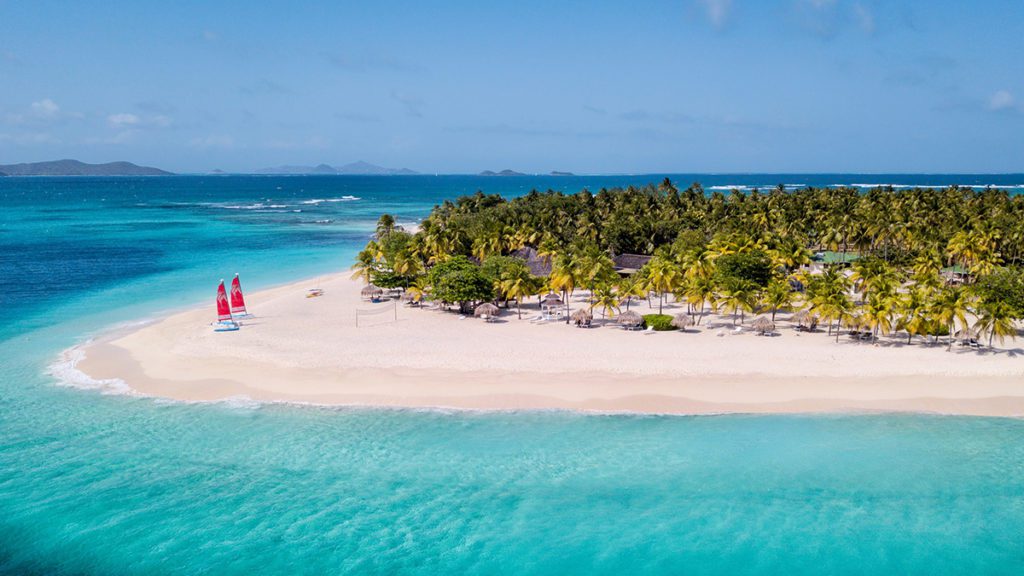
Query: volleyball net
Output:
(374,316)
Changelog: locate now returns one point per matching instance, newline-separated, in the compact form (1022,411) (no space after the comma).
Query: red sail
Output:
(223,311)
(237,301)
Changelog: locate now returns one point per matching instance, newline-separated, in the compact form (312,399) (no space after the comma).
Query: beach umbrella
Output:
(486,309)
(682,321)
(371,292)
(630,319)
(582,315)
(763,325)
(805,319)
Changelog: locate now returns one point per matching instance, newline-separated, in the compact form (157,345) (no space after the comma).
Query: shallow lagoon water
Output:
(95,483)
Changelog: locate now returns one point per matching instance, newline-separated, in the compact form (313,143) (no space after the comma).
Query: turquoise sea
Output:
(95,482)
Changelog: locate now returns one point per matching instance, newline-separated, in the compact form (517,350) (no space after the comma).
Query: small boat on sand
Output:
(224,323)
(237,300)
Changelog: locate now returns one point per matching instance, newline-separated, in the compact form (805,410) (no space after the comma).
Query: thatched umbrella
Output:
(582,317)
(581,314)
(486,310)
(630,319)
(763,325)
(371,292)
(805,319)
(682,321)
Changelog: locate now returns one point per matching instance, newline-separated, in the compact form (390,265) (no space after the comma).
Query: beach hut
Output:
(371,293)
(682,321)
(582,318)
(805,320)
(551,306)
(486,311)
(631,320)
(763,325)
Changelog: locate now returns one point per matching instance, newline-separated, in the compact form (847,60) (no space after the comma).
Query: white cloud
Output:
(1001,100)
(123,119)
(46,109)
(717,11)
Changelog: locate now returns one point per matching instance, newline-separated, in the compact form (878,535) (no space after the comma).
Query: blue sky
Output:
(590,87)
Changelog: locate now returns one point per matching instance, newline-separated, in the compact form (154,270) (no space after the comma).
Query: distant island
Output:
(505,172)
(557,173)
(76,168)
(359,168)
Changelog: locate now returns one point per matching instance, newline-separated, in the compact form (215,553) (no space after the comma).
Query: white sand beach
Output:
(299,349)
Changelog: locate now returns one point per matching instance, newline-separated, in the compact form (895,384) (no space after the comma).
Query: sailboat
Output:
(237,300)
(225,323)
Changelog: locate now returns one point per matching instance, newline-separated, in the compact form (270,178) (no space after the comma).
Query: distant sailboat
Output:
(225,323)
(237,300)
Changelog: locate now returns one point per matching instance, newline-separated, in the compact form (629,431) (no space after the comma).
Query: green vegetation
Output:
(871,261)
(660,322)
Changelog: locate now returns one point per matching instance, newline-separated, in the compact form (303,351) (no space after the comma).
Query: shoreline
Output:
(307,351)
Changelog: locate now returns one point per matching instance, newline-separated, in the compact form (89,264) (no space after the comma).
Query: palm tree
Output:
(630,287)
(563,277)
(913,312)
(741,297)
(878,314)
(778,294)
(700,290)
(662,273)
(996,318)
(950,306)
(385,226)
(606,299)
(519,284)
(364,266)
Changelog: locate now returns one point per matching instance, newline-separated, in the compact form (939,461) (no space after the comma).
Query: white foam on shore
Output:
(346,198)
(66,371)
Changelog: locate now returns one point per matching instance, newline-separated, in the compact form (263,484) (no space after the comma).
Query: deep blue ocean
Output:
(103,483)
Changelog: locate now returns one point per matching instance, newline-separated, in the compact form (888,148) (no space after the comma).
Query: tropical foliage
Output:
(923,262)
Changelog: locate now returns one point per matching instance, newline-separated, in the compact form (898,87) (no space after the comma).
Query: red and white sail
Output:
(237,300)
(223,310)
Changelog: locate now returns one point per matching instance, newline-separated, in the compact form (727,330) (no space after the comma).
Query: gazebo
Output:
(551,306)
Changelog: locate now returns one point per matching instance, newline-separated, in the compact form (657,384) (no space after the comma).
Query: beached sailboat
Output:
(225,323)
(237,300)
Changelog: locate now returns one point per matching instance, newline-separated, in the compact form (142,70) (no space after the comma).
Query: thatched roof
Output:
(538,265)
(681,321)
(371,290)
(486,309)
(581,315)
(629,263)
(630,318)
(805,319)
(551,299)
(763,324)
